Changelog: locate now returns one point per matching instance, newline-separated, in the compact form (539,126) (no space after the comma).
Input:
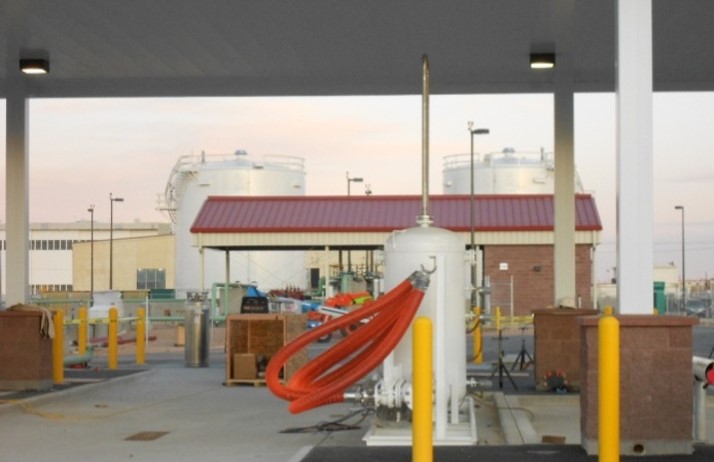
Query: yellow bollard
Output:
(608,311)
(478,338)
(113,338)
(140,336)
(82,331)
(422,427)
(609,389)
(498,318)
(58,348)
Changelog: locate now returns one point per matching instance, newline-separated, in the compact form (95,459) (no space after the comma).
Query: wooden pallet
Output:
(239,382)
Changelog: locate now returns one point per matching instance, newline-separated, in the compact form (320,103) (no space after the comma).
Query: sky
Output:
(83,149)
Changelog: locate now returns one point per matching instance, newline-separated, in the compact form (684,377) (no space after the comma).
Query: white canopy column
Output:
(635,204)
(17,192)
(564,198)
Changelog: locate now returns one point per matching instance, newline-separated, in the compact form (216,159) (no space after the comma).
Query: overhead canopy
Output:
(106,48)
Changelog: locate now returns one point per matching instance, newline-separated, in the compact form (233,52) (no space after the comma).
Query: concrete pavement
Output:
(193,416)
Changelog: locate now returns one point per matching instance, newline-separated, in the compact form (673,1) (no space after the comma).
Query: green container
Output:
(161,294)
(660,301)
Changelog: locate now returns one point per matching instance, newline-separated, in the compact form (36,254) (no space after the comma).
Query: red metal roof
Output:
(246,214)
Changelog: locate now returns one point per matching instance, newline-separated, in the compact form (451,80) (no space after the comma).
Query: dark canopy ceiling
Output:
(337,47)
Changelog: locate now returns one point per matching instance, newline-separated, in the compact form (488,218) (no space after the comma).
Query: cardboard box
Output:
(180,335)
(244,367)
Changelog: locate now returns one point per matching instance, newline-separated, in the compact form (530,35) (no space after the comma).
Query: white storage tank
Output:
(444,303)
(193,179)
(505,172)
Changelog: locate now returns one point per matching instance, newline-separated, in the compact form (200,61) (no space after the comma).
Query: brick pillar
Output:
(556,337)
(25,356)
(655,385)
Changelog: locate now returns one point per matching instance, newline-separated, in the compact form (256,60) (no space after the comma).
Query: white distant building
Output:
(51,244)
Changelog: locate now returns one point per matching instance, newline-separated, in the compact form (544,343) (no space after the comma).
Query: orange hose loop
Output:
(322,381)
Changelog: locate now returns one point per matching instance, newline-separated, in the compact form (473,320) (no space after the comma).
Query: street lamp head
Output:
(480,131)
(357,180)
(115,199)
(679,207)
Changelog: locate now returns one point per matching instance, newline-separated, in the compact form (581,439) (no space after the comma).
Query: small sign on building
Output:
(503,266)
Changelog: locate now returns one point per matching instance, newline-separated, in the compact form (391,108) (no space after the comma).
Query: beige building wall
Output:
(129,256)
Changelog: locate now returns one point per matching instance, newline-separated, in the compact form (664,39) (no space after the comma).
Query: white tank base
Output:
(460,434)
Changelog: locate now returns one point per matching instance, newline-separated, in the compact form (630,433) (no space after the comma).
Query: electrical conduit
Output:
(321,381)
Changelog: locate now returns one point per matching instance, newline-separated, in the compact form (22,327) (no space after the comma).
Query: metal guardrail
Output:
(69,322)
(497,321)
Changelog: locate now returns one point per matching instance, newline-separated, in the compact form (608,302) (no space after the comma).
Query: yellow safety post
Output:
(82,332)
(478,338)
(140,336)
(498,318)
(113,338)
(607,311)
(58,348)
(422,427)
(609,389)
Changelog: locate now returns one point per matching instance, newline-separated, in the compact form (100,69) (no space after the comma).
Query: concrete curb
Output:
(516,426)
(300,455)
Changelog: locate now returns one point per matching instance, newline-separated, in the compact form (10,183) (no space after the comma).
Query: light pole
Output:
(684,274)
(349,181)
(111,237)
(352,180)
(91,253)
(473,131)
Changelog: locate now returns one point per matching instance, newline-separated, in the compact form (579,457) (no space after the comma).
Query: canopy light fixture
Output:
(542,60)
(35,66)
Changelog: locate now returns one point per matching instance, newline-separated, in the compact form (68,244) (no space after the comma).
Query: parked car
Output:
(697,308)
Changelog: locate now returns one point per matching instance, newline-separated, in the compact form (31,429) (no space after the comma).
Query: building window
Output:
(150,278)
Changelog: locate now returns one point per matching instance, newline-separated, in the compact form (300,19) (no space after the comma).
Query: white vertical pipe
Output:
(147,320)
(593,282)
(328,287)
(228,282)
(700,412)
(635,215)
(424,218)
(202,252)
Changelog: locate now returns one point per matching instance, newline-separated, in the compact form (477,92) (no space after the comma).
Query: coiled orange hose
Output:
(321,381)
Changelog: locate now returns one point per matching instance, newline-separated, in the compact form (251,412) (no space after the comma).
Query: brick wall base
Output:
(655,385)
(25,356)
(556,337)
